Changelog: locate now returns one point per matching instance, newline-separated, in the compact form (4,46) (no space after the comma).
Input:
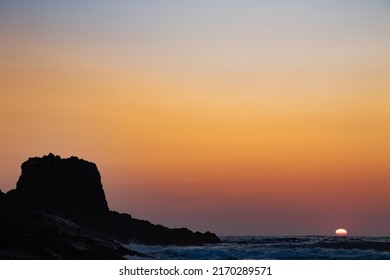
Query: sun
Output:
(341,232)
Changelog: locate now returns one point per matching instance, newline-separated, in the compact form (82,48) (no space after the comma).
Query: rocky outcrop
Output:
(125,229)
(59,211)
(29,233)
(71,186)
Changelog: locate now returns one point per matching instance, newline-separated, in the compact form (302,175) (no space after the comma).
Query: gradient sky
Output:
(239,117)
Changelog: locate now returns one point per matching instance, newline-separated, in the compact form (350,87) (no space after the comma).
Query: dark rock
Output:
(28,233)
(123,228)
(59,211)
(70,186)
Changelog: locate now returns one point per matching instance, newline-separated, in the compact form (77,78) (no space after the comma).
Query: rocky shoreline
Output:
(59,211)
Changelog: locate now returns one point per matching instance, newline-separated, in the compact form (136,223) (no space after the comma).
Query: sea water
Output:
(275,248)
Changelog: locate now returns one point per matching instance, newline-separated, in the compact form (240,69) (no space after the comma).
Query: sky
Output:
(239,117)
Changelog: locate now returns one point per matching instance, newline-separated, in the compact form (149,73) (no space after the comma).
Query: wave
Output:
(276,248)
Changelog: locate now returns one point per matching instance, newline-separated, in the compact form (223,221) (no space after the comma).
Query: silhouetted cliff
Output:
(59,210)
(71,186)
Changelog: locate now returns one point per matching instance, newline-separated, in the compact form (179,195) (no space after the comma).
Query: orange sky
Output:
(240,123)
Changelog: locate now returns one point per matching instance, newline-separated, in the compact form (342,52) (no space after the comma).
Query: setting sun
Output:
(341,232)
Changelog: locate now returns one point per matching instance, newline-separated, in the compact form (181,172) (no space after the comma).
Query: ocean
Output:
(275,248)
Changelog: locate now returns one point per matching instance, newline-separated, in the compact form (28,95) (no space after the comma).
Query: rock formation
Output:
(59,210)
(70,186)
